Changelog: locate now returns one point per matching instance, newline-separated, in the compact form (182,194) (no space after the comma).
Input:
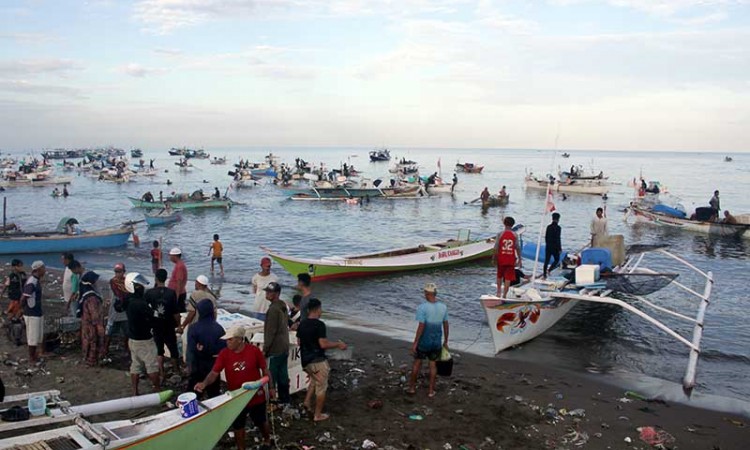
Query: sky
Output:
(669,75)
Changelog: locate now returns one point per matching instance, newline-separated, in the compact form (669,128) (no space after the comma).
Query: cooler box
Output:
(601,257)
(587,274)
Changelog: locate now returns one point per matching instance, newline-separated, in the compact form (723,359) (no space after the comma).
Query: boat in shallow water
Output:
(423,256)
(162,217)
(533,307)
(182,204)
(570,186)
(65,238)
(712,228)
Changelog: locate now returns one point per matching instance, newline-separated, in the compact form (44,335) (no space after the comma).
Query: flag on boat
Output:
(439,164)
(550,203)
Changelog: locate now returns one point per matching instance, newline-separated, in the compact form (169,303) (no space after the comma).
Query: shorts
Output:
(318,373)
(432,355)
(218,259)
(257,414)
(508,273)
(143,357)
(163,338)
(116,328)
(181,306)
(34,330)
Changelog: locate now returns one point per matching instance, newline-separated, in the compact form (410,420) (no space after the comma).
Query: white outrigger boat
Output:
(712,228)
(534,307)
(570,186)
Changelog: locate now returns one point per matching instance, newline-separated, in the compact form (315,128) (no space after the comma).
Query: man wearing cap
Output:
(241,363)
(259,282)
(143,356)
(276,340)
(313,343)
(117,320)
(201,292)
(178,280)
(31,301)
(431,337)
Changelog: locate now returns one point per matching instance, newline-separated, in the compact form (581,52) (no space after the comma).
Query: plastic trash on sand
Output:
(655,437)
(340,355)
(368,444)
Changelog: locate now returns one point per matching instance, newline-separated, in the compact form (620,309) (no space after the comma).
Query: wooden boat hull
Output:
(496,201)
(11,244)
(36,183)
(514,322)
(161,431)
(432,256)
(469,169)
(710,228)
(154,221)
(212,203)
(592,187)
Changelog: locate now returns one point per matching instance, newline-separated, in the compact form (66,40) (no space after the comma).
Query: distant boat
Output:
(219,160)
(593,187)
(423,256)
(728,159)
(136,153)
(63,239)
(565,155)
(469,168)
(670,219)
(496,200)
(380,155)
(184,204)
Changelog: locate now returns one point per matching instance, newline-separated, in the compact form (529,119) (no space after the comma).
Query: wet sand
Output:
(487,403)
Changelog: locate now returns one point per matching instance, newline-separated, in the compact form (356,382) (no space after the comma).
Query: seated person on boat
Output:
(148,197)
(729,218)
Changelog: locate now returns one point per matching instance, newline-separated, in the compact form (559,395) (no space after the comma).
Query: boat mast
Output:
(544,213)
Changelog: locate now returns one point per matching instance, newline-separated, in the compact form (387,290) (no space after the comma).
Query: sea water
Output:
(593,338)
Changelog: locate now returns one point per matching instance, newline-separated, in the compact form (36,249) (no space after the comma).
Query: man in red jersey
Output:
(507,254)
(242,362)
(178,280)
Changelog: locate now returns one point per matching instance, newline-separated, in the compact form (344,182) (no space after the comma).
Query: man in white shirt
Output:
(67,285)
(599,230)
(260,281)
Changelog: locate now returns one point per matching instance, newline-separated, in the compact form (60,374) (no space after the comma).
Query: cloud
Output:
(168,51)
(33,67)
(139,71)
(26,87)
(28,38)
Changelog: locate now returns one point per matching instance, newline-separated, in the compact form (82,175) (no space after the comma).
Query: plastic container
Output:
(602,257)
(37,405)
(587,274)
(188,404)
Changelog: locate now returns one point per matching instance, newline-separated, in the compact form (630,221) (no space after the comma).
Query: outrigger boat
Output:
(380,155)
(665,219)
(183,204)
(167,430)
(532,308)
(469,168)
(66,238)
(163,217)
(424,256)
(571,186)
(342,193)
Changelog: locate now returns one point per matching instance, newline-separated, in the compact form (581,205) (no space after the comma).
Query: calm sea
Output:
(593,338)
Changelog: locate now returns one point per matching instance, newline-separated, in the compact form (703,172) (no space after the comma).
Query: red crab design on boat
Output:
(518,319)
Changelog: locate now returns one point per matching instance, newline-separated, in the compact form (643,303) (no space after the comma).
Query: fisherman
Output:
(217,194)
(431,337)
(117,318)
(259,282)
(729,218)
(276,341)
(65,192)
(503,192)
(201,292)
(215,250)
(56,192)
(506,256)
(304,280)
(151,164)
(31,301)
(156,256)
(148,197)
(313,342)
(178,280)
(242,362)
(75,279)
(455,182)
(715,203)
(485,195)
(14,285)
(431,179)
(67,286)
(163,301)
(552,244)
(204,340)
(143,357)
(599,230)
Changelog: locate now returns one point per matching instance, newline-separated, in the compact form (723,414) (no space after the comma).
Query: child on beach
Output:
(217,249)
(156,257)
(506,256)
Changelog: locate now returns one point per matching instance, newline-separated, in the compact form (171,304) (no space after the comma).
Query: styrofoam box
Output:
(587,274)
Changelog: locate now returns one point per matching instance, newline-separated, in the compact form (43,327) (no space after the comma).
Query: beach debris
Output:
(368,444)
(447,446)
(459,411)
(655,437)
(558,396)
(736,423)
(325,437)
(551,415)
(416,417)
(580,412)
(60,380)
(628,440)
(375,404)
(625,418)
(518,399)
(625,400)
(577,438)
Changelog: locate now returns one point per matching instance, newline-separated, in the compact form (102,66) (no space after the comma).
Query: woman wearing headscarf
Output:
(92,319)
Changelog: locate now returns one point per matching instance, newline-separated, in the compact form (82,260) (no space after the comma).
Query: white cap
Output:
(37,265)
(202,279)
(175,251)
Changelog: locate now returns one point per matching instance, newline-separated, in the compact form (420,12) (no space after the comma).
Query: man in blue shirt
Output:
(431,337)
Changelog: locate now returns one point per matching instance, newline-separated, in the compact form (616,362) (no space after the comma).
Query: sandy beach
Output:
(487,403)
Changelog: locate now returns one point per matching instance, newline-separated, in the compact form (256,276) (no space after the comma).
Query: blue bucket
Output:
(188,404)
(37,405)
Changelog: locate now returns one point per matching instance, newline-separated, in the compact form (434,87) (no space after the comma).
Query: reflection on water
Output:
(591,336)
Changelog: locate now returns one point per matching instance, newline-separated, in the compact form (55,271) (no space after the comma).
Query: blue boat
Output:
(163,217)
(66,238)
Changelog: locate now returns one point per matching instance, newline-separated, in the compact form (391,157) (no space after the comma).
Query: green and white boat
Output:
(423,256)
(168,430)
(182,204)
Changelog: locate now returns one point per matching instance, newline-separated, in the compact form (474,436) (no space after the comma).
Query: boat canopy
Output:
(62,226)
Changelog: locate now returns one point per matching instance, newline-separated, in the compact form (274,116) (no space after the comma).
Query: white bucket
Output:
(188,404)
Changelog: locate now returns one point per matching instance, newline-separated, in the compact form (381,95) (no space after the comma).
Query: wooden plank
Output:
(26,396)
(35,421)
